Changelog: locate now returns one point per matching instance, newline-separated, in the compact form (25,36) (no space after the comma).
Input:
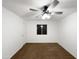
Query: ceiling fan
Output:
(46,9)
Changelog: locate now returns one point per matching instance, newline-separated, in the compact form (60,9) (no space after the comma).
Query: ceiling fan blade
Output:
(54,3)
(58,12)
(33,9)
(29,14)
(32,14)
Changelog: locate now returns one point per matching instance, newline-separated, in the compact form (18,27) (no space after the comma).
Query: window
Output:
(41,29)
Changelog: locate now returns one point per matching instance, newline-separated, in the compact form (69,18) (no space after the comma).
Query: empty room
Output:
(39,29)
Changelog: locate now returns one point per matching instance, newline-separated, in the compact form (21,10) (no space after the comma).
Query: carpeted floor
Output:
(42,51)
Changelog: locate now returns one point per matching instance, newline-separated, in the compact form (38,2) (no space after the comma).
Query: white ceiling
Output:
(21,7)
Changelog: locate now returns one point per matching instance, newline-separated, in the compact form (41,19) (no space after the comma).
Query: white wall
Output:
(31,32)
(12,33)
(68,33)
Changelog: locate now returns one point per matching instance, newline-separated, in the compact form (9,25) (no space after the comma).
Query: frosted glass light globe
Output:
(46,16)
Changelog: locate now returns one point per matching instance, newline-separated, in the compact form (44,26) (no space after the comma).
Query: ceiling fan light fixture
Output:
(46,16)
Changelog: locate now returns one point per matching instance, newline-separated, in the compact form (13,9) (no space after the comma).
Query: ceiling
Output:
(21,7)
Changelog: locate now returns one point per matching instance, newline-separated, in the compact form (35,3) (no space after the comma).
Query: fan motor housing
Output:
(45,8)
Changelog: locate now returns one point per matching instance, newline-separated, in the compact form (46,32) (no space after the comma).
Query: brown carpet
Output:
(42,51)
